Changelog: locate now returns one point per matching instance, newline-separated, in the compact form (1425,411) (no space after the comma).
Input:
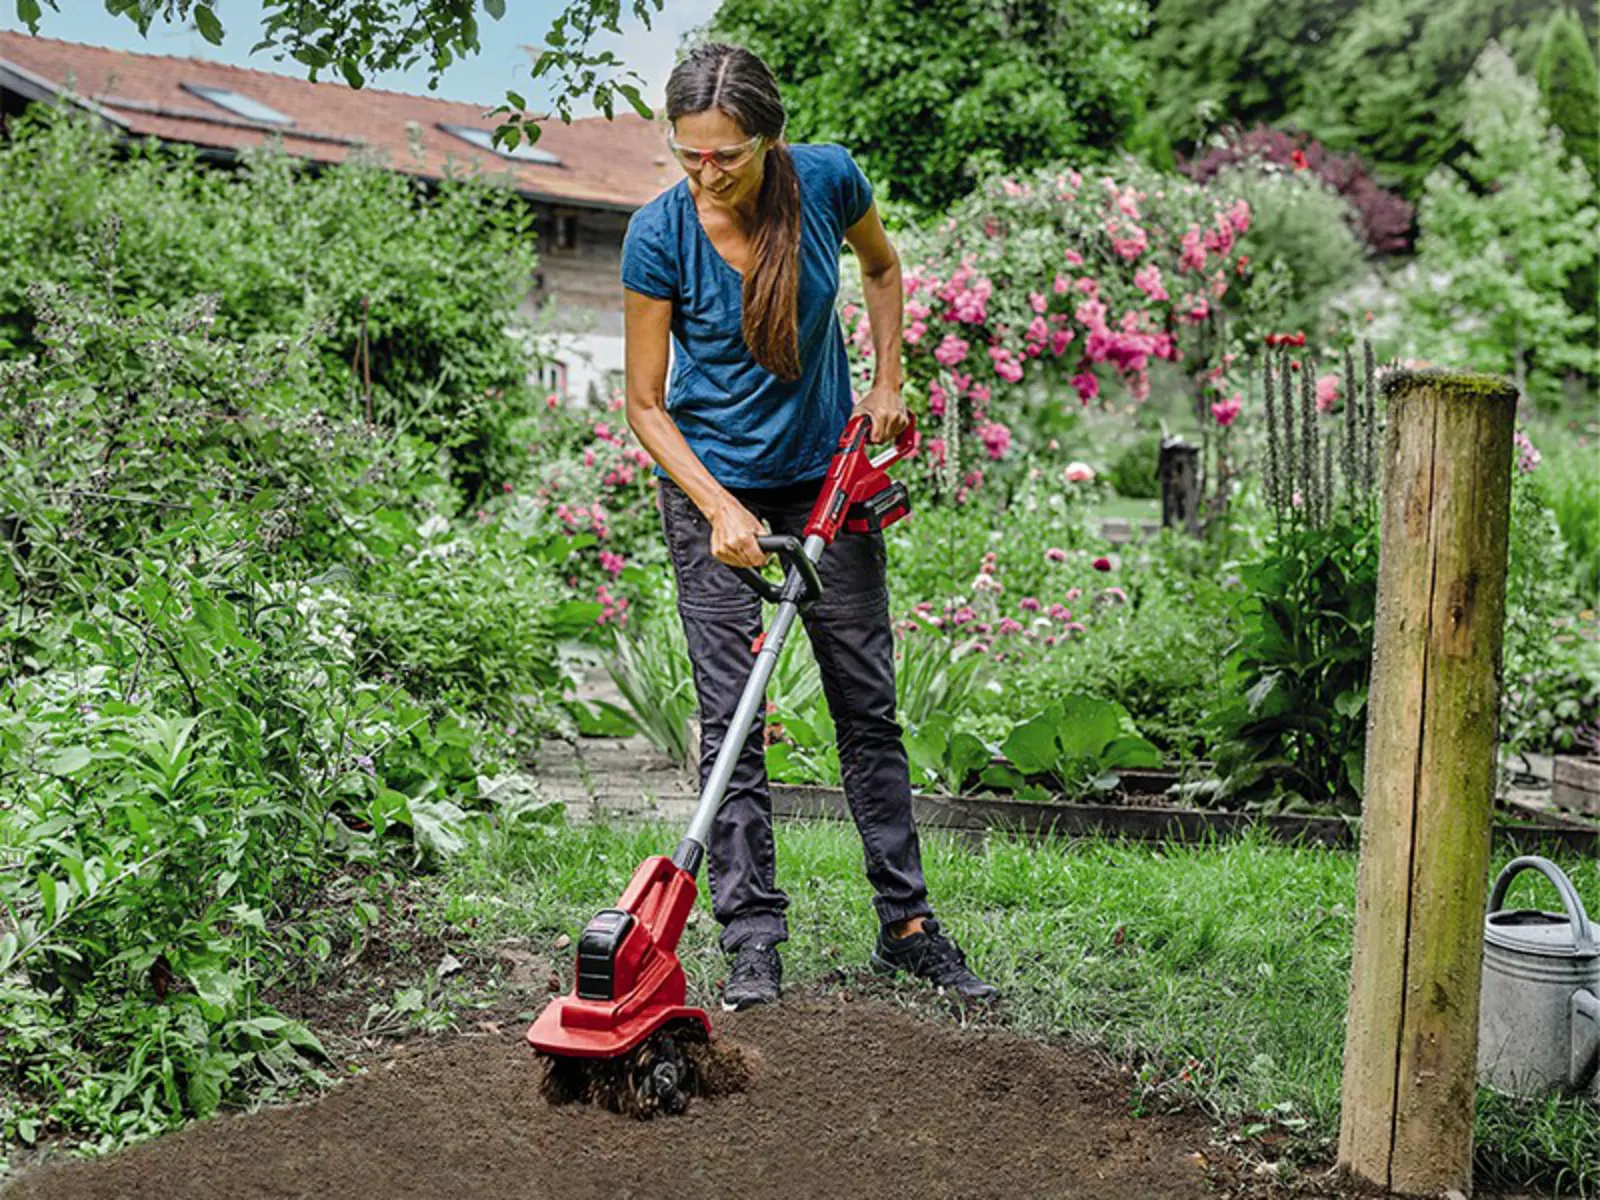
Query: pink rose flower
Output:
(950,351)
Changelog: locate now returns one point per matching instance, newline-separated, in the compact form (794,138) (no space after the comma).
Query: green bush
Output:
(466,623)
(222,664)
(1133,472)
(1302,243)
(356,258)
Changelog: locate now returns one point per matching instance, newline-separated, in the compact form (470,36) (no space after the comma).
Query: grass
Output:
(1132,509)
(1219,972)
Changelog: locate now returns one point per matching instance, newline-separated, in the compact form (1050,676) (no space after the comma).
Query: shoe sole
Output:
(740,1007)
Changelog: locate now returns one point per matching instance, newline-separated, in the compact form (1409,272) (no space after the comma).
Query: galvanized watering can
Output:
(1539,1010)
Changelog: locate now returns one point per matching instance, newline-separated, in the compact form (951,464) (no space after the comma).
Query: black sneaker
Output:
(754,978)
(931,955)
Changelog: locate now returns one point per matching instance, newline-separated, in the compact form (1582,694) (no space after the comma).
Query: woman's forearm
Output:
(885,300)
(664,442)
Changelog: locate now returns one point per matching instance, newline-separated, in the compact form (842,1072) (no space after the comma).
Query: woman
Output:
(738,266)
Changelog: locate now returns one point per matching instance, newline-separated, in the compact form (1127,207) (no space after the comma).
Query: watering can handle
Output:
(1582,931)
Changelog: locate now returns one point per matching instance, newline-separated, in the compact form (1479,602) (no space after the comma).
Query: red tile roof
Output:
(621,163)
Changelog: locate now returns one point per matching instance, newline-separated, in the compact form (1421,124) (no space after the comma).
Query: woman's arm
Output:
(885,297)
(647,325)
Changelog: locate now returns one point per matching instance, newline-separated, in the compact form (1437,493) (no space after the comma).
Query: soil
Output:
(852,1097)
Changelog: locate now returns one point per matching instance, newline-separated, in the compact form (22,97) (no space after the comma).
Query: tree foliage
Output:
(1569,82)
(361,38)
(1385,76)
(1504,234)
(932,96)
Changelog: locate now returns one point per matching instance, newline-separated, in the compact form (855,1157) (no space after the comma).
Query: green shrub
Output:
(1133,472)
(1302,242)
(466,623)
(362,261)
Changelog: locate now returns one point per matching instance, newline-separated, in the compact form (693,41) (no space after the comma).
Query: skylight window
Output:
(239,106)
(483,139)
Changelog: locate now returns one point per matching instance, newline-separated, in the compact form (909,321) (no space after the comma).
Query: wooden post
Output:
(1179,472)
(1411,1039)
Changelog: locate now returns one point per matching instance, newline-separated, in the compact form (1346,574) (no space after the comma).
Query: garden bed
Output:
(830,1113)
(1140,820)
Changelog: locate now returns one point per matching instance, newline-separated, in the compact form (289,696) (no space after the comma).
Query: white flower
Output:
(433,527)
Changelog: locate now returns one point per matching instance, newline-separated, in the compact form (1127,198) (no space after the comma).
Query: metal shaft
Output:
(750,704)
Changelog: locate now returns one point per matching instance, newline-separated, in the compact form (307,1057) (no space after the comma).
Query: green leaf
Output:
(967,754)
(1032,746)
(47,896)
(70,761)
(1089,724)
(1131,753)
(28,14)
(8,950)
(352,74)
(495,8)
(206,1081)
(926,747)
(631,95)
(438,826)
(215,985)
(1352,703)
(1003,779)
(206,22)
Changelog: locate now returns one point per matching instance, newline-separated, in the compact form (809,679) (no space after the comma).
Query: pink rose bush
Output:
(1061,278)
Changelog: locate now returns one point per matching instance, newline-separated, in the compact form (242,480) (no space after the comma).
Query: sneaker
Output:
(754,978)
(931,955)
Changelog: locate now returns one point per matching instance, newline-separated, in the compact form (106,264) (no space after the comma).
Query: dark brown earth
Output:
(851,1099)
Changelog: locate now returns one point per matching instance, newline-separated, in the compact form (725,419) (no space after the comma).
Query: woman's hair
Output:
(731,78)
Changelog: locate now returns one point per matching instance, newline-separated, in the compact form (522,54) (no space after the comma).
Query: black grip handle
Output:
(793,554)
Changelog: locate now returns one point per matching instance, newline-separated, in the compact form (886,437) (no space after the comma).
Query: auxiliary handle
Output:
(794,557)
(1582,930)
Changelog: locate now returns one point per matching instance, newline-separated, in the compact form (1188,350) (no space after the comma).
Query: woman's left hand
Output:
(887,410)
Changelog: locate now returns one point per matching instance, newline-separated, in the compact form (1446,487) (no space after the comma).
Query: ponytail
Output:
(772,288)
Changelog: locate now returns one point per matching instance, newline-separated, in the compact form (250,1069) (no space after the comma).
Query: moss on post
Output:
(1411,1039)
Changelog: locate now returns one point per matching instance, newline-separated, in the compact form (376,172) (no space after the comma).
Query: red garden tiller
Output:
(624,1037)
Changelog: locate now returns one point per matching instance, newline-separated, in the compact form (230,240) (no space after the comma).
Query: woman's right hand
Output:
(734,530)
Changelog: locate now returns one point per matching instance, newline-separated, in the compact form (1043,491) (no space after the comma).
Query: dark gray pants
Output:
(853,643)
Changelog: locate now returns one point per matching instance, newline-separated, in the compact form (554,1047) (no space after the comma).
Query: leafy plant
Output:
(942,755)
(1293,731)
(651,669)
(1080,742)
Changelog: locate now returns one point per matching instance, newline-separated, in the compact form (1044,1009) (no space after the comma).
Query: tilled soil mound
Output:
(850,1099)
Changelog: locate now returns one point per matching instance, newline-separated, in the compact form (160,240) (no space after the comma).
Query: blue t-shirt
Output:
(750,428)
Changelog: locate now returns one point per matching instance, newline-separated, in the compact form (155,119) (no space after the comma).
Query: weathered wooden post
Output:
(1178,469)
(1411,1036)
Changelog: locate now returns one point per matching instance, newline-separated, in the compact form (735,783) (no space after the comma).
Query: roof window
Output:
(483,139)
(239,106)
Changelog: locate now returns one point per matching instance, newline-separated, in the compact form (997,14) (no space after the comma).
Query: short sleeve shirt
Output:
(750,428)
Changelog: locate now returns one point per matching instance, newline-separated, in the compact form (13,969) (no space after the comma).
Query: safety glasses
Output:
(727,158)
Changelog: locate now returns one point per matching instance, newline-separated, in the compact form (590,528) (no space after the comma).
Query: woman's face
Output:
(730,175)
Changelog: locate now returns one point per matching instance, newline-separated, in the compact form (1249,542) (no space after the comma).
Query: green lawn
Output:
(1219,972)
(1128,508)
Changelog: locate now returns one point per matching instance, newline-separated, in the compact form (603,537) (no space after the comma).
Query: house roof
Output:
(609,164)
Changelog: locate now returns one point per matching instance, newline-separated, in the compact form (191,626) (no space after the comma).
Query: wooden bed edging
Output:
(975,816)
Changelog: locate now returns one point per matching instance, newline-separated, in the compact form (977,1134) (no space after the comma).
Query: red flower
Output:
(1298,158)
(1101,564)
(1238,267)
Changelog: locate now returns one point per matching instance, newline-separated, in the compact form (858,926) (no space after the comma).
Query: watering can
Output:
(1539,1009)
